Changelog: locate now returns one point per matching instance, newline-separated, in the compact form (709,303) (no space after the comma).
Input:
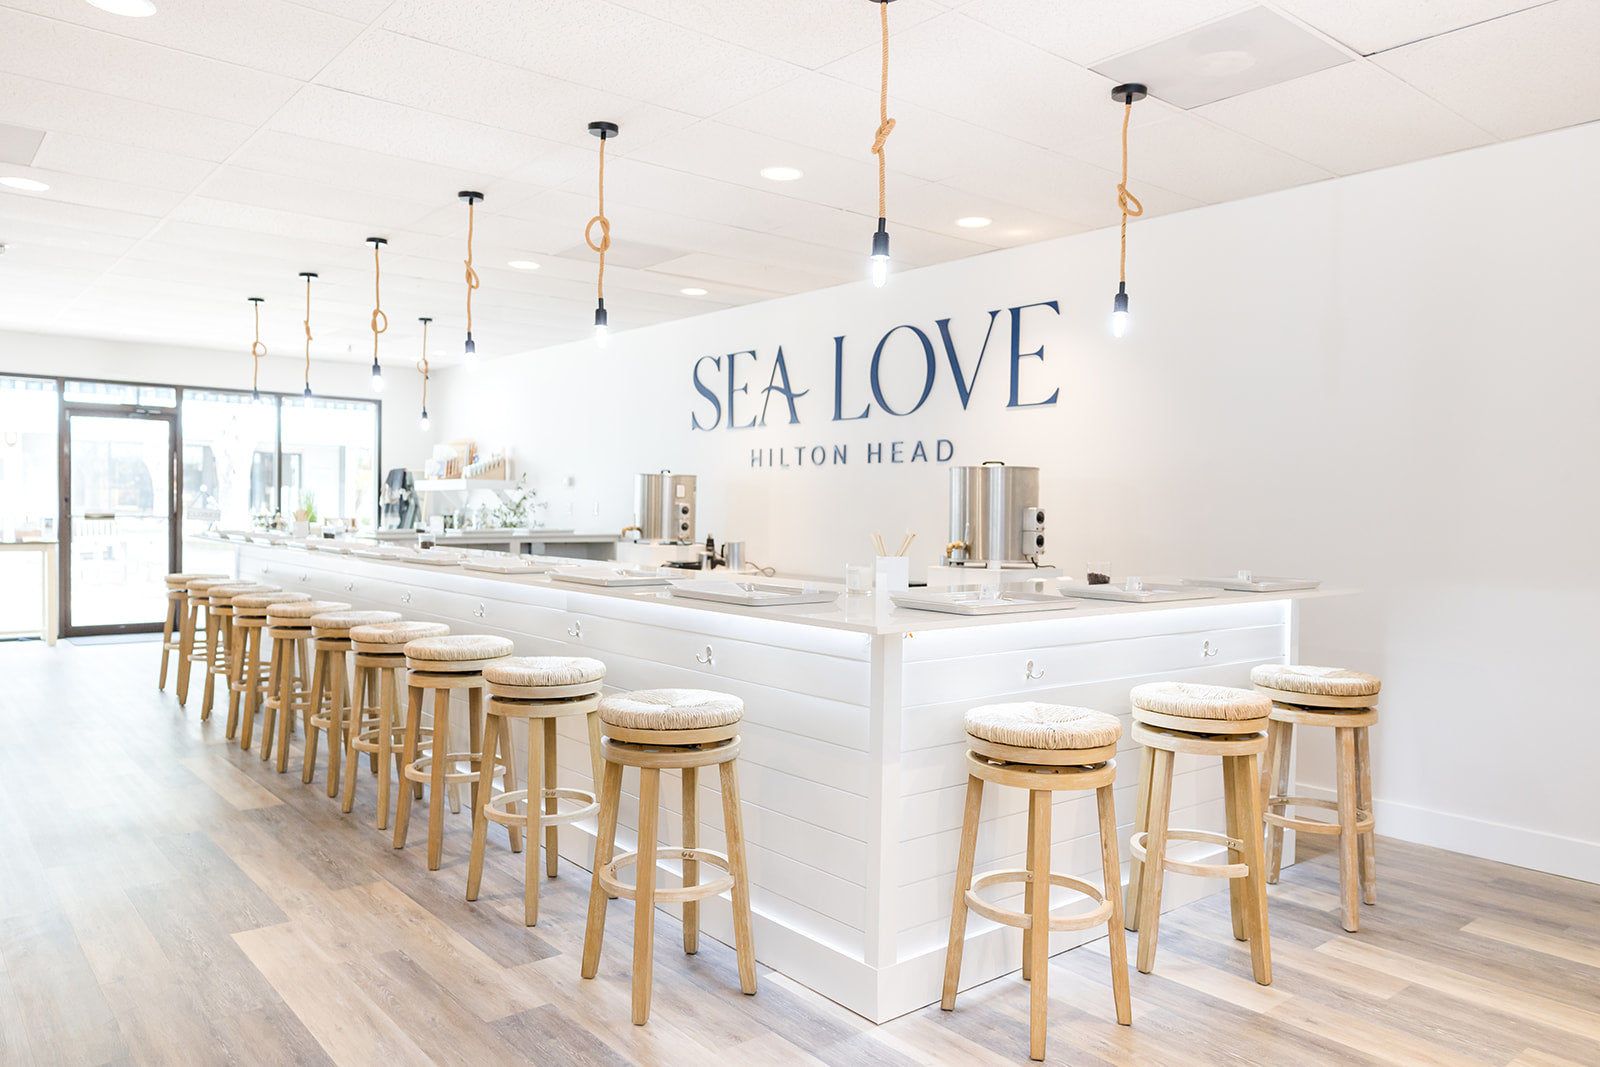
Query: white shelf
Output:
(439,485)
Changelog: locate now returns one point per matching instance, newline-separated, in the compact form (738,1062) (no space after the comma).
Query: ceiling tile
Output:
(1525,73)
(1347,119)
(68,109)
(25,208)
(91,157)
(270,35)
(1087,33)
(775,279)
(313,198)
(1368,28)
(19,144)
(51,50)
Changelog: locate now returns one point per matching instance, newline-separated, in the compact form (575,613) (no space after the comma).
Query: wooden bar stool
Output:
(1343,700)
(289,678)
(1171,718)
(219,630)
(194,645)
(177,615)
(1043,748)
(380,663)
(538,690)
(442,665)
(656,730)
(248,685)
(335,705)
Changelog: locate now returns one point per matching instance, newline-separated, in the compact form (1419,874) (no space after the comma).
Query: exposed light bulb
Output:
(377,377)
(471,353)
(600,323)
(1119,311)
(423,422)
(880,255)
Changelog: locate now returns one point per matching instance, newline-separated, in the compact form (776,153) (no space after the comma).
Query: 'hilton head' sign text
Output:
(726,401)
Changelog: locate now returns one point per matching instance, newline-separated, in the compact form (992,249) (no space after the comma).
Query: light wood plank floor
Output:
(165,898)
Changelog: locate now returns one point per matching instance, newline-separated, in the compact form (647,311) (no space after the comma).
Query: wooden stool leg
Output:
(235,675)
(1027,897)
(1155,853)
(1141,823)
(475,740)
(596,762)
(321,684)
(347,789)
(958,910)
(530,843)
(1039,914)
(605,844)
(480,820)
(441,748)
(1369,840)
(288,689)
(644,893)
(343,715)
(1233,822)
(552,844)
(509,769)
(691,868)
(252,692)
(185,648)
(1111,866)
(166,639)
(213,661)
(733,829)
(402,817)
(1247,778)
(1348,800)
(273,704)
(1275,782)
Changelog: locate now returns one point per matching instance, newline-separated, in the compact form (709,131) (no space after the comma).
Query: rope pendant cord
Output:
(308,333)
(422,365)
(257,350)
(1127,201)
(605,227)
(472,275)
(377,303)
(885,123)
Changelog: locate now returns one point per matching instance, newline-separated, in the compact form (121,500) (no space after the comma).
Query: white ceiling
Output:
(211,152)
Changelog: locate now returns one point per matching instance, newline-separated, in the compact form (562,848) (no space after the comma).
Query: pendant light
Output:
(1130,206)
(880,240)
(422,365)
(604,131)
(257,350)
(472,198)
(377,311)
(308,275)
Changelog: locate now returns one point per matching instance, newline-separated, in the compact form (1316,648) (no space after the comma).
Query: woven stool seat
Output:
(1315,681)
(671,709)
(226,592)
(397,633)
(338,624)
(300,612)
(545,671)
(1031,724)
(182,580)
(459,648)
(1187,700)
(258,601)
(203,585)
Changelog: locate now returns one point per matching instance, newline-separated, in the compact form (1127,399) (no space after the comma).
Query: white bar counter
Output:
(852,772)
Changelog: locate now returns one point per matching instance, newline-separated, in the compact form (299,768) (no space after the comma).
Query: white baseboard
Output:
(1536,850)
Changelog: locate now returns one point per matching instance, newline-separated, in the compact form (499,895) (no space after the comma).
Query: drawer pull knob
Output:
(575,630)
(1029,671)
(705,657)
(1209,650)
(405,598)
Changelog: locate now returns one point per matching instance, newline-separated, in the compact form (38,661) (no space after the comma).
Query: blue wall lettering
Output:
(838,386)
(781,370)
(705,391)
(733,423)
(927,381)
(1017,354)
(963,383)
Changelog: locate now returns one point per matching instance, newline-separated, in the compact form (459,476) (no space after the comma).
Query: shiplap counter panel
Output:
(852,772)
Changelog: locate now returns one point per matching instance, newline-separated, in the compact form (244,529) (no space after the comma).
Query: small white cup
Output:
(1133,585)
(1246,576)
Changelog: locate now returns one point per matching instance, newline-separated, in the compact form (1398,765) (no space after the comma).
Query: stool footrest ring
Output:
(670,895)
(495,809)
(367,740)
(421,770)
(1136,845)
(1364,821)
(1022,920)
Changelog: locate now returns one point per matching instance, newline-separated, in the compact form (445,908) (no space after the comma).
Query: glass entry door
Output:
(119,534)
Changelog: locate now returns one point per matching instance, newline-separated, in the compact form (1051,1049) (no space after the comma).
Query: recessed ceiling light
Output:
(973,222)
(782,174)
(133,9)
(27,185)
(692,292)
(523,264)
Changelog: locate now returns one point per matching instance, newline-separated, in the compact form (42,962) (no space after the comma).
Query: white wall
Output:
(1387,381)
(84,357)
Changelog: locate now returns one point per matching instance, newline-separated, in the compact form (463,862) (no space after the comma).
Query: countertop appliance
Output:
(663,507)
(995,517)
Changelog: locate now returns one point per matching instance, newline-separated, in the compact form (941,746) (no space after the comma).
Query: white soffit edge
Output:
(1233,55)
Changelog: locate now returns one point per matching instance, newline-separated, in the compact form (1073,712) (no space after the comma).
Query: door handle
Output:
(99,515)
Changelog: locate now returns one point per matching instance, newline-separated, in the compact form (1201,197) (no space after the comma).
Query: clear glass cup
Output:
(1133,585)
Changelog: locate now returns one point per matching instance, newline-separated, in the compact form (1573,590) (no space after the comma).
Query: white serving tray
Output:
(432,558)
(378,553)
(610,577)
(505,566)
(750,594)
(1152,593)
(975,602)
(1256,585)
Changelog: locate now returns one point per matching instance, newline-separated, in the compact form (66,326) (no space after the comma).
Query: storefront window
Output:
(330,450)
(29,448)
